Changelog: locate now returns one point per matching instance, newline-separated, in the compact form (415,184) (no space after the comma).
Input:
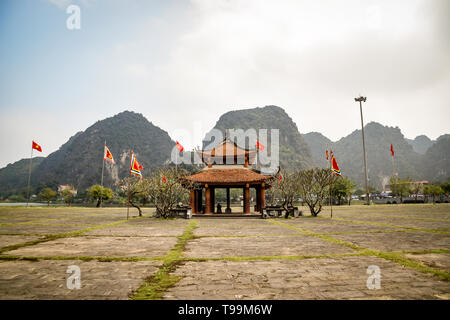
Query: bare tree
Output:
(138,188)
(313,186)
(287,188)
(165,189)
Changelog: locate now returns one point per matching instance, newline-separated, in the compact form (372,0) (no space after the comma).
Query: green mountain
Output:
(436,162)
(79,161)
(318,144)
(432,165)
(14,176)
(294,151)
(421,143)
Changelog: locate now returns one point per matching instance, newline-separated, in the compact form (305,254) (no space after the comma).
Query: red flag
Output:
(280,177)
(164,179)
(327,154)
(135,167)
(335,168)
(179,147)
(259,146)
(108,155)
(36,146)
(392,149)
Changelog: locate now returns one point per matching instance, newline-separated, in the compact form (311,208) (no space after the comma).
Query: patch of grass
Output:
(26,234)
(155,286)
(402,260)
(361,232)
(428,251)
(269,258)
(82,258)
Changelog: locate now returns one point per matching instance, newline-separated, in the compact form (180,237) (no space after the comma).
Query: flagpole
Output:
(103,167)
(128,206)
(393,167)
(29,176)
(331,189)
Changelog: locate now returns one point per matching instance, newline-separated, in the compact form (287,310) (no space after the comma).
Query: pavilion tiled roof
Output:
(227,148)
(224,176)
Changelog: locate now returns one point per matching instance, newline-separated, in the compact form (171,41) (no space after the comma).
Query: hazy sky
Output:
(184,63)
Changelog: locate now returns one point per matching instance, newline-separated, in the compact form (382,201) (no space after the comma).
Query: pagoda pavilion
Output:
(227,166)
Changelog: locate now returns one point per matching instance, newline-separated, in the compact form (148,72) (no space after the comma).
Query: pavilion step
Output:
(226,215)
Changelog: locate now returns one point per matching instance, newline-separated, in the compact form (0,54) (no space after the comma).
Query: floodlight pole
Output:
(362,99)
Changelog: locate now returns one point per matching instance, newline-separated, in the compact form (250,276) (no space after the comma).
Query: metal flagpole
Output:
(103,167)
(393,167)
(331,189)
(29,176)
(128,206)
(362,99)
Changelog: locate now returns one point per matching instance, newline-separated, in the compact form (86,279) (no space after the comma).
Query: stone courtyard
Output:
(226,258)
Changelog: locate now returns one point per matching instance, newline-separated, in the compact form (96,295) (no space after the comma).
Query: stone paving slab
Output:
(231,222)
(235,230)
(44,229)
(48,279)
(436,260)
(340,278)
(342,227)
(99,246)
(401,222)
(138,231)
(313,221)
(398,241)
(403,215)
(11,240)
(261,246)
(158,222)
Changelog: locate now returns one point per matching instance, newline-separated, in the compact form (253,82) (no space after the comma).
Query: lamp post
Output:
(362,99)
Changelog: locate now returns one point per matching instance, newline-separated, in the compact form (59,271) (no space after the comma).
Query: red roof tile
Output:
(224,176)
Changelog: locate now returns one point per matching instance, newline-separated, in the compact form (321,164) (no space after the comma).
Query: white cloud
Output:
(194,62)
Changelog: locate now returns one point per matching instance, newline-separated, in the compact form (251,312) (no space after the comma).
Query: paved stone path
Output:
(301,258)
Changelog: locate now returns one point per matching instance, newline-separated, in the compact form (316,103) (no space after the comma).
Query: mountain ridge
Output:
(79,160)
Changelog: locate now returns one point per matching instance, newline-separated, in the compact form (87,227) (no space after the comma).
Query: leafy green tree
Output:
(68,194)
(100,193)
(47,194)
(343,189)
(17,198)
(446,187)
(433,191)
(400,187)
(313,186)
(416,187)
(372,189)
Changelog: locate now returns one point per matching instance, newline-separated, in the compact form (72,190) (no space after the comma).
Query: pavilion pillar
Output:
(213,199)
(258,199)
(263,197)
(199,200)
(228,209)
(208,199)
(247,199)
(193,202)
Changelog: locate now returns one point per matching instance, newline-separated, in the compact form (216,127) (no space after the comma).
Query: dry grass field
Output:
(236,258)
